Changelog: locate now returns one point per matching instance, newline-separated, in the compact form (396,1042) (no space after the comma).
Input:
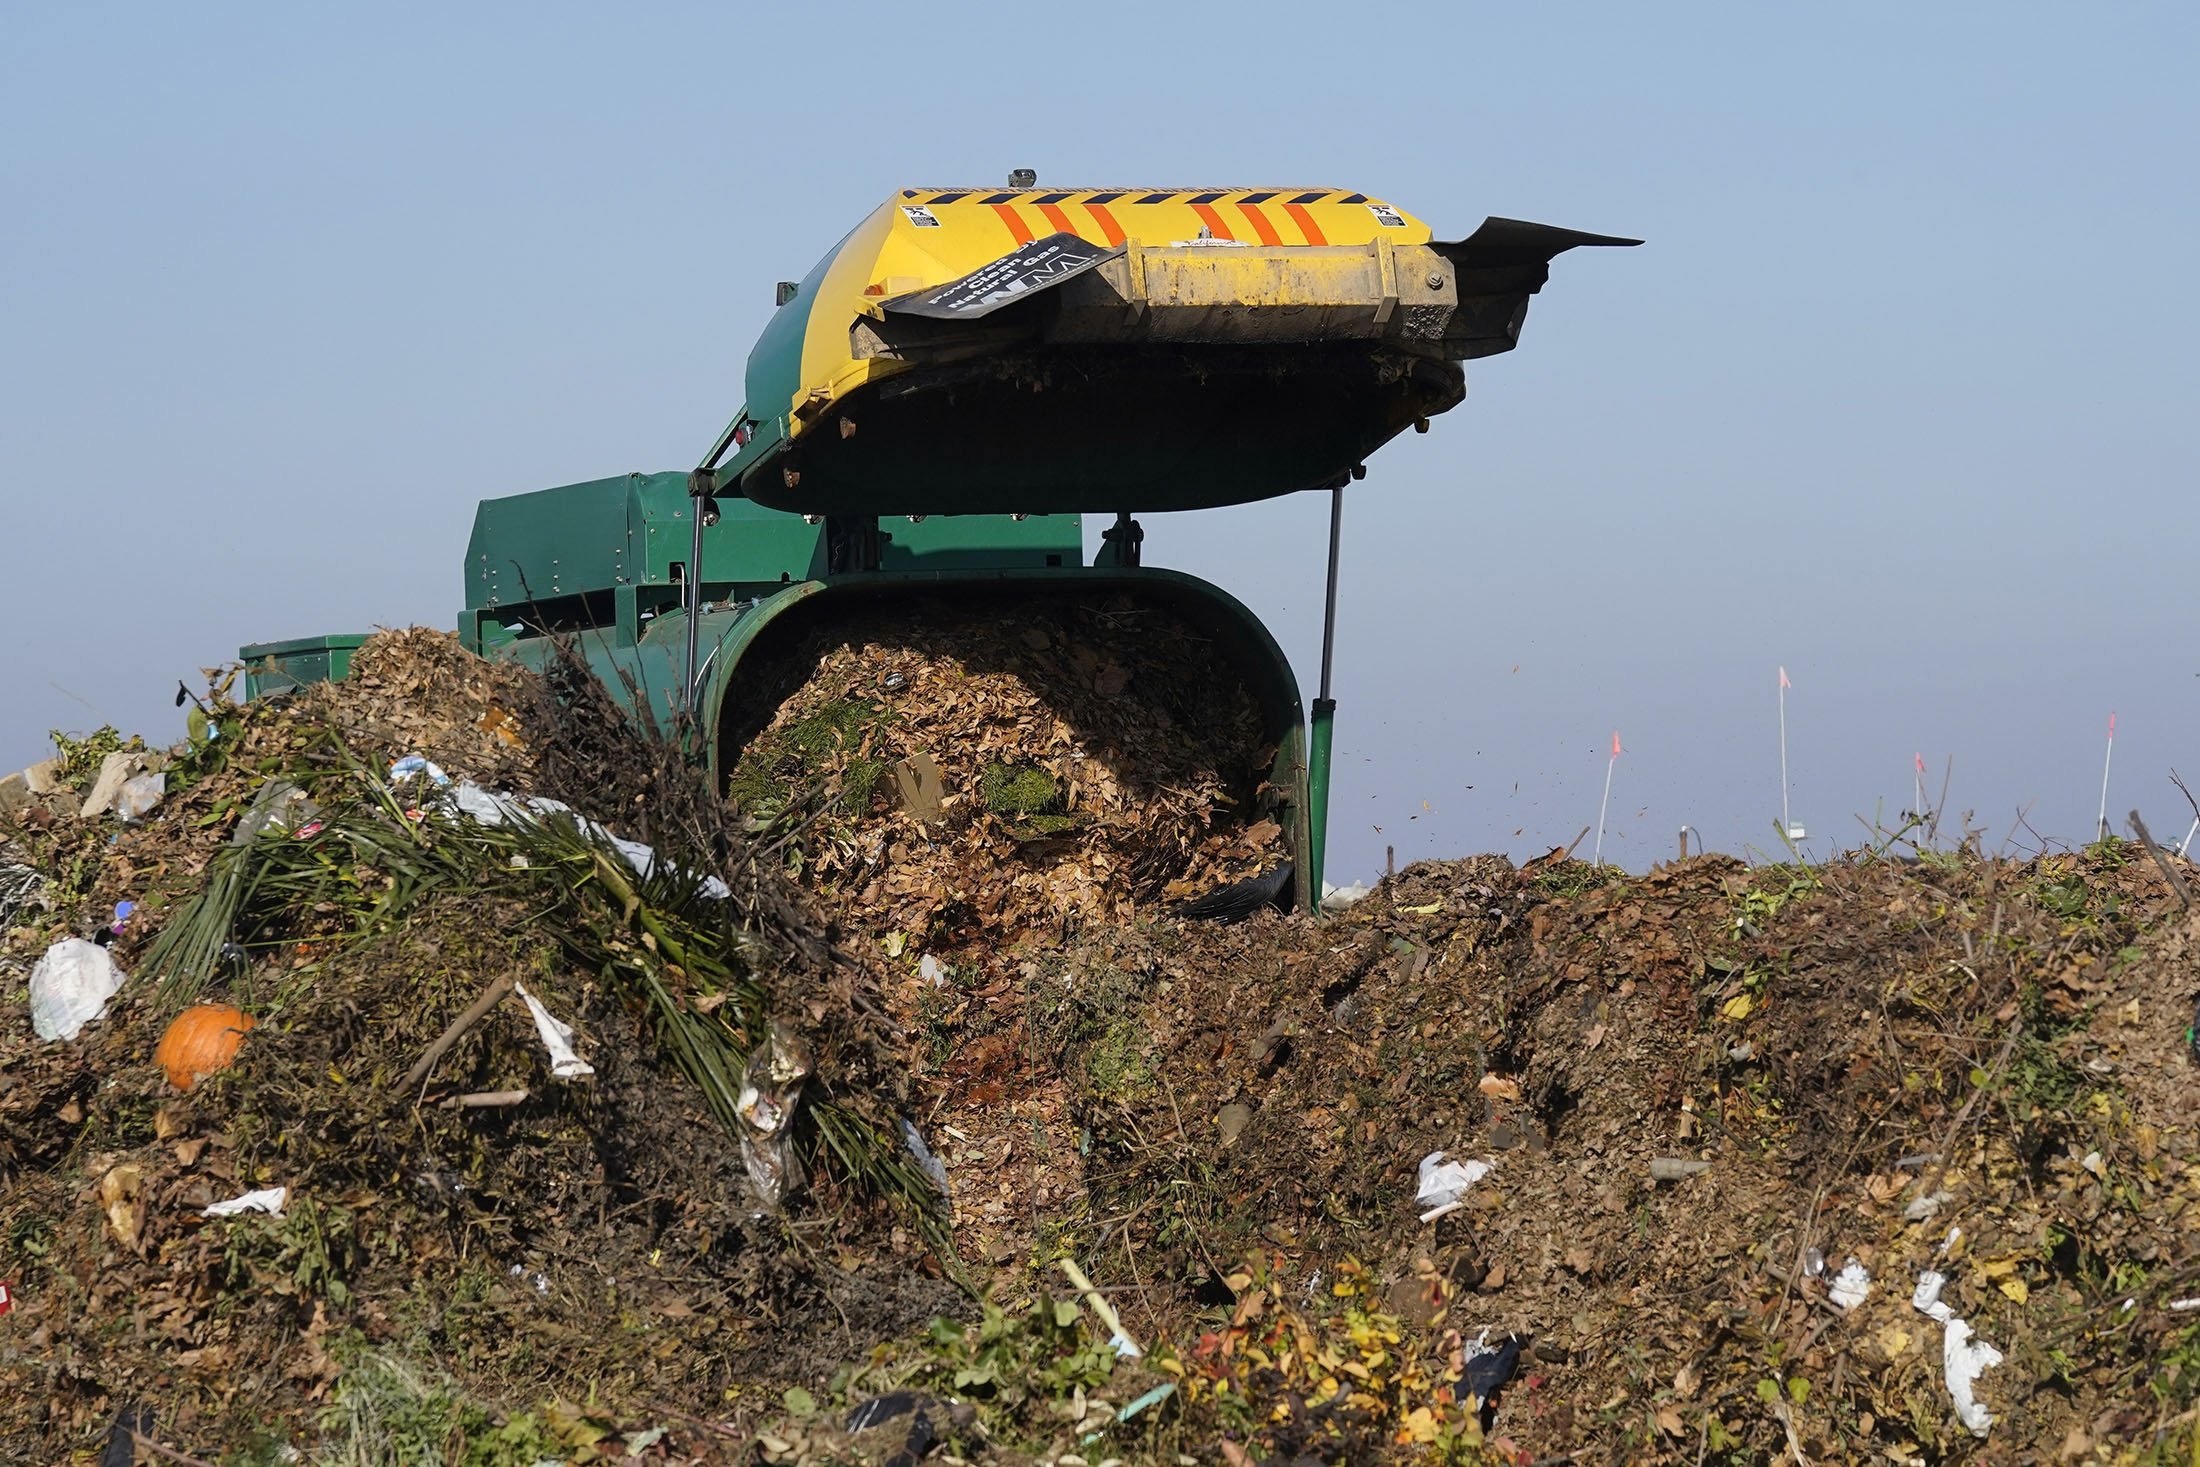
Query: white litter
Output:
(1962,1359)
(2180,1306)
(1923,1209)
(1849,1286)
(1337,898)
(269,1200)
(70,987)
(495,807)
(557,1037)
(929,969)
(1444,1183)
(139,796)
(404,769)
(934,1168)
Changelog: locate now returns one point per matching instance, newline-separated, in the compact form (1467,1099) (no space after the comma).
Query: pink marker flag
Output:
(1615,743)
(1784,679)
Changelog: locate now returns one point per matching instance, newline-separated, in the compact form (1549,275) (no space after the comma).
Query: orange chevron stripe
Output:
(1015,223)
(1213,221)
(1305,221)
(1261,226)
(1054,216)
(1108,226)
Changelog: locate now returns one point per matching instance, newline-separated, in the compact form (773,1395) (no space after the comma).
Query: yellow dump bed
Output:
(1072,349)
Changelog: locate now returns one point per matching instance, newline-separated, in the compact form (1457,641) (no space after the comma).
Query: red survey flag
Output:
(2112,728)
(1920,763)
(1615,743)
(1784,679)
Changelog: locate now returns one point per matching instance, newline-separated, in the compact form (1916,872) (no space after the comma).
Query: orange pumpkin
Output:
(202,1041)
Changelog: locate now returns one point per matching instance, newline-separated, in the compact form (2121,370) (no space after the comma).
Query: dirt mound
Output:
(1972,1067)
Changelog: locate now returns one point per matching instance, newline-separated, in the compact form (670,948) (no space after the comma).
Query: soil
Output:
(1699,1091)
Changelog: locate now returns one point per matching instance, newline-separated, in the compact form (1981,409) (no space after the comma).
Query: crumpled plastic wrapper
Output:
(1962,1359)
(1444,1183)
(771,1088)
(70,987)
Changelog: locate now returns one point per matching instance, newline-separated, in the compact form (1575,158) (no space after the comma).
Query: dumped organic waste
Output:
(1495,1164)
(967,778)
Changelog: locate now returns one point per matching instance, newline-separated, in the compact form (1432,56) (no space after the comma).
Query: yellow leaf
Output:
(1424,911)
(2016,1289)
(1738,1007)
(2000,1268)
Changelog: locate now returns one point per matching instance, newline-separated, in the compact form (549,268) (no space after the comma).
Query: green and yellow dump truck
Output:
(934,409)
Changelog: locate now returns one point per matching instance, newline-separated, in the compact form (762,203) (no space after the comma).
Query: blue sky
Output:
(1897,394)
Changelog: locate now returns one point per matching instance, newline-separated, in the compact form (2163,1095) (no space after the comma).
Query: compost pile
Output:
(973,779)
(461,1221)
(1889,1158)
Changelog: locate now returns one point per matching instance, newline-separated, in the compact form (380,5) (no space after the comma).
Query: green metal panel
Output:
(274,667)
(548,544)
(981,542)
(612,554)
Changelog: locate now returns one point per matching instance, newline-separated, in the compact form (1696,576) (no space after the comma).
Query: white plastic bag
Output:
(70,987)
(1962,1359)
(557,1037)
(1444,1183)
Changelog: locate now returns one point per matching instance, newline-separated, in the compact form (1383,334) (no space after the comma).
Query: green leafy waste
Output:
(663,941)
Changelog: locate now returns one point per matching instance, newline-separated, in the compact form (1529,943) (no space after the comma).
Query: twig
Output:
(145,1443)
(489,999)
(486,1100)
(1931,1184)
(713,1427)
(2161,862)
(1098,1304)
(2173,779)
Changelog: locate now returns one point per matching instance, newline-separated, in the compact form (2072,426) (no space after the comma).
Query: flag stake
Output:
(1788,828)
(2105,759)
(1598,858)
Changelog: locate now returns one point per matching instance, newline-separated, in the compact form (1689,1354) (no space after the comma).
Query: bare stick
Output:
(486,1099)
(2186,844)
(1947,778)
(140,1440)
(2161,862)
(489,999)
(1931,1183)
